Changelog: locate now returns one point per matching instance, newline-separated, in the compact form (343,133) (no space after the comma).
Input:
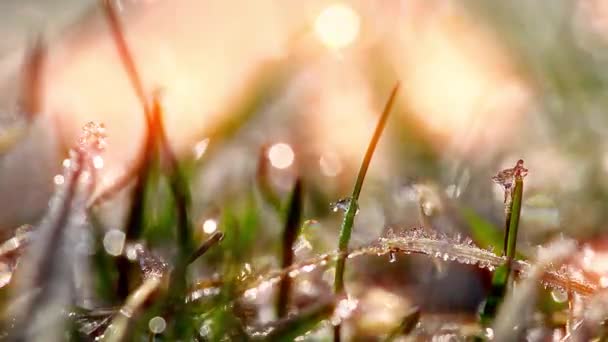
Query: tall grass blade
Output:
(500,279)
(290,234)
(349,216)
(406,326)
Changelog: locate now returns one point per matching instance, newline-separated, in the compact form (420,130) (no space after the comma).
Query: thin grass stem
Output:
(349,216)
(290,234)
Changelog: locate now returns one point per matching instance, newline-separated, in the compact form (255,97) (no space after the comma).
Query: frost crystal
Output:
(92,138)
(506,177)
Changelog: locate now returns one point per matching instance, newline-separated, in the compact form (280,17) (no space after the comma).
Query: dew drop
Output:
(392,256)
(205,329)
(559,295)
(342,205)
(98,162)
(157,325)
(200,148)
(59,179)
(489,333)
(114,241)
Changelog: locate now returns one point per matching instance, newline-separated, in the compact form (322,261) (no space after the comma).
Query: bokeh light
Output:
(337,26)
(281,155)
(209,226)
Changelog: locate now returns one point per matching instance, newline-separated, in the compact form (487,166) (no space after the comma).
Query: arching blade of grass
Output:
(210,242)
(349,216)
(290,234)
(123,50)
(290,328)
(500,280)
(406,326)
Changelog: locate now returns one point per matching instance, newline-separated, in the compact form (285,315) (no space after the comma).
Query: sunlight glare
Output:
(281,155)
(337,26)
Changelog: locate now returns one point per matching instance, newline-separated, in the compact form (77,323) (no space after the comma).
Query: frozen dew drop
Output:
(205,329)
(337,26)
(559,295)
(302,245)
(428,208)
(92,137)
(200,148)
(341,205)
(392,256)
(489,333)
(132,251)
(344,309)
(98,162)
(157,325)
(114,242)
(209,226)
(58,179)
(281,155)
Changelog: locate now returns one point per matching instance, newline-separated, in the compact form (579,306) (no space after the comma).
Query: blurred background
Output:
(259,93)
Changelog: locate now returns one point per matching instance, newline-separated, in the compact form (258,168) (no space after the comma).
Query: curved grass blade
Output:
(406,326)
(210,242)
(288,329)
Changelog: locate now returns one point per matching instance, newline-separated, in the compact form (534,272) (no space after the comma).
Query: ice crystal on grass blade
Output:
(341,205)
(53,266)
(151,265)
(519,305)
(506,177)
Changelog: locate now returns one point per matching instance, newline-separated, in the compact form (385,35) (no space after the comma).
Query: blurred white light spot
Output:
(58,179)
(97,162)
(157,325)
(604,281)
(337,26)
(200,148)
(209,226)
(281,155)
(113,242)
(66,163)
(330,165)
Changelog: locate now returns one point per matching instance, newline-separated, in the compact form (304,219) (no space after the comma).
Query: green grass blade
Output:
(210,242)
(290,328)
(349,217)
(290,234)
(406,326)
(501,277)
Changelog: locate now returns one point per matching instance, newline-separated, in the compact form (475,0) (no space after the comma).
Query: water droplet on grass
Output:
(392,256)
(114,242)
(559,296)
(341,205)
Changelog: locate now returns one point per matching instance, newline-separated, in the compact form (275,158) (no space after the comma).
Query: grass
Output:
(233,286)
(349,217)
(501,277)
